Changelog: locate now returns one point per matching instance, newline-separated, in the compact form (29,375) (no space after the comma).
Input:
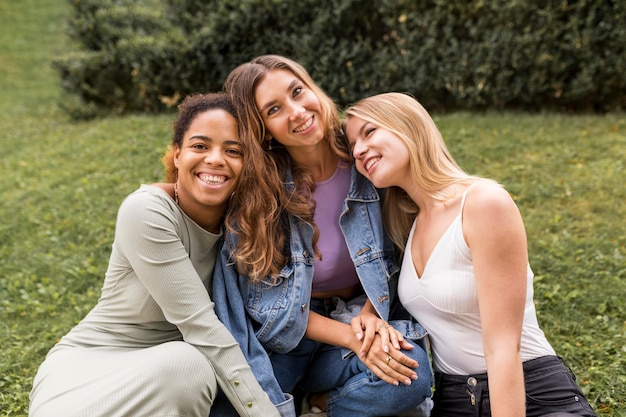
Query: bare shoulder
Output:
(488,203)
(488,196)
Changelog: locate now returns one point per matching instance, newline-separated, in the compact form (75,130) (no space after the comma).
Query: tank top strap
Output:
(463,197)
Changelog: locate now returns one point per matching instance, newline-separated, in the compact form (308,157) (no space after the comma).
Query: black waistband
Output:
(529,366)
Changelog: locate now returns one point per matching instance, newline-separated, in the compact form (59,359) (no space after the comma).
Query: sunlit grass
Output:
(62,183)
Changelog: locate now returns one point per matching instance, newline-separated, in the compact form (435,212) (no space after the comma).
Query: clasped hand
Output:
(381,350)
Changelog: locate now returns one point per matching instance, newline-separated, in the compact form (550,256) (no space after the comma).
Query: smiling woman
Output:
(465,273)
(208,162)
(329,265)
(153,344)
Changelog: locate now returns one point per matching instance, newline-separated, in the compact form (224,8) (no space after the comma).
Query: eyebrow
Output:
(290,87)
(361,130)
(208,139)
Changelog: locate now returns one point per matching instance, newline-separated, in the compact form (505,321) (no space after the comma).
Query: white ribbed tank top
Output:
(444,301)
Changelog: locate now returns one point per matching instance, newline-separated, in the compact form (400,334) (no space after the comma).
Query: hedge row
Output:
(144,55)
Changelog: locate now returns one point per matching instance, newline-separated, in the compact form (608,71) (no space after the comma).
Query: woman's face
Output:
(290,110)
(209,161)
(380,155)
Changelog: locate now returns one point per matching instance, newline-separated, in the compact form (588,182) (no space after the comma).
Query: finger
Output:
(383,331)
(403,374)
(400,370)
(395,337)
(407,362)
(383,375)
(405,345)
(357,327)
(368,340)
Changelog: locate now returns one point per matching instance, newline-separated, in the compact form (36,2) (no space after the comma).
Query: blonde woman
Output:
(465,274)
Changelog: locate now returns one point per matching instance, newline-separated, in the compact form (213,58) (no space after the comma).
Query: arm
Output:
(148,235)
(495,233)
(233,314)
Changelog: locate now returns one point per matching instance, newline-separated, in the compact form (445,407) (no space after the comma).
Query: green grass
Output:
(62,182)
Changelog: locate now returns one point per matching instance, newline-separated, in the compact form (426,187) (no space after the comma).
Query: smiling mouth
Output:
(371,162)
(305,126)
(212,179)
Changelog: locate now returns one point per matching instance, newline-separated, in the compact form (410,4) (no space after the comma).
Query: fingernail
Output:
(359,336)
(407,382)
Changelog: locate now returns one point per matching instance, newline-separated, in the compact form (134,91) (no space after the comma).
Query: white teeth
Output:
(371,162)
(212,179)
(305,126)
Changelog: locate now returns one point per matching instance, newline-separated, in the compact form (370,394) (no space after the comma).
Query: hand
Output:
(393,366)
(366,325)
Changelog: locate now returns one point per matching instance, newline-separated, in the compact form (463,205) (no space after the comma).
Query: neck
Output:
(320,160)
(210,219)
(426,202)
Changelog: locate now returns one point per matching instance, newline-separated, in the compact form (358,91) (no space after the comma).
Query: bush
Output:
(145,55)
(516,53)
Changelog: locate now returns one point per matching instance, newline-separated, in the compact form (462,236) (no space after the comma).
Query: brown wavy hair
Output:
(268,250)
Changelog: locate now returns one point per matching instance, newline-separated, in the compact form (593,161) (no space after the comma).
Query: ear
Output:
(176,155)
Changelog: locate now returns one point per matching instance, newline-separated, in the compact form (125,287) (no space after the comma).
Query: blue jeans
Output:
(353,389)
(550,388)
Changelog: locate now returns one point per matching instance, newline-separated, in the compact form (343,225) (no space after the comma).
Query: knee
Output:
(187,371)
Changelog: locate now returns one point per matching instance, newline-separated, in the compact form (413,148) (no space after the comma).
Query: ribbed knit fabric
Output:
(153,345)
(445,302)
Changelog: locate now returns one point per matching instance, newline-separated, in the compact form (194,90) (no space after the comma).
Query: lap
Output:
(550,387)
(162,379)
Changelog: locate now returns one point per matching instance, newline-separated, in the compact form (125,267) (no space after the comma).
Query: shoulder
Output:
(488,198)
(489,208)
(147,198)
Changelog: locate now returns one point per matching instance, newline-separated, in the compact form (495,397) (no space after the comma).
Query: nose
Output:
(359,150)
(214,156)
(295,111)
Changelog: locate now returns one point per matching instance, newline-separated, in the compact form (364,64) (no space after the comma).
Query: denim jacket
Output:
(268,316)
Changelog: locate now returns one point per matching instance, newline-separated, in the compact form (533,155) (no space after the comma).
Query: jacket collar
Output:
(361,189)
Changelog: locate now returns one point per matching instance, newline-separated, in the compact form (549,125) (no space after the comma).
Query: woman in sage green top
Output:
(153,345)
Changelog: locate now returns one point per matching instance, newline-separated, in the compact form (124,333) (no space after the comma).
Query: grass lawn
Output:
(62,182)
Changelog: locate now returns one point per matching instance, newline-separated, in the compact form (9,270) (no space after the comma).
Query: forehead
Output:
(354,127)
(214,123)
(275,81)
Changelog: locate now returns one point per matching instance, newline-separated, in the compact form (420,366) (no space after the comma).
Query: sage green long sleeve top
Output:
(156,291)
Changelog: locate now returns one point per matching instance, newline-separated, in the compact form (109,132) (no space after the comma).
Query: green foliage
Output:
(144,55)
(63,181)
(515,54)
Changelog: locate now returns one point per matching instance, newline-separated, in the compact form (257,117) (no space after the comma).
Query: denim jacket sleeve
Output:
(230,309)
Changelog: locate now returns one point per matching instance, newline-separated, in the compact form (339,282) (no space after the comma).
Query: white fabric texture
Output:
(444,301)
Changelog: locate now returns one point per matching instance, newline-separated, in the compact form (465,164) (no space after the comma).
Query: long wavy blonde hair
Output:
(432,167)
(268,223)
